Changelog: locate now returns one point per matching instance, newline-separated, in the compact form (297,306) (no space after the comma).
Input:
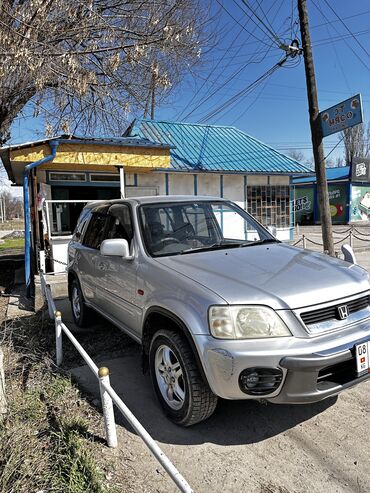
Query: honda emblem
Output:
(343,312)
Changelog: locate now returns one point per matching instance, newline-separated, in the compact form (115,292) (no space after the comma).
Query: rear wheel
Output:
(81,313)
(184,395)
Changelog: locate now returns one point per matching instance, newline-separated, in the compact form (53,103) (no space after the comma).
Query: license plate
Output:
(362,358)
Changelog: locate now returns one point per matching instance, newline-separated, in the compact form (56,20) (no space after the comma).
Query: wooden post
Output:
(316,135)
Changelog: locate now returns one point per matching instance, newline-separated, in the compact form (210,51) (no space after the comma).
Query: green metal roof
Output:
(215,148)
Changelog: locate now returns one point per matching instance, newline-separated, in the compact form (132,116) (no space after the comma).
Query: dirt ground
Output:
(245,446)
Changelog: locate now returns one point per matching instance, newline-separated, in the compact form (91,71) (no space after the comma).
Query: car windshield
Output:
(188,227)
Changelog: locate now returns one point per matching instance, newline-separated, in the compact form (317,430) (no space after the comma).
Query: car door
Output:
(117,293)
(88,256)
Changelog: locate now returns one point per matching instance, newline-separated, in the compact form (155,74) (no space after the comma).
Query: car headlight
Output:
(246,322)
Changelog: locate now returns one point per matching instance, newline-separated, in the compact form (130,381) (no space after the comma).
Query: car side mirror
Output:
(116,247)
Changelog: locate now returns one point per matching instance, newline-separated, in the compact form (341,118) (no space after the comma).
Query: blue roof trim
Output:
(332,174)
(216,148)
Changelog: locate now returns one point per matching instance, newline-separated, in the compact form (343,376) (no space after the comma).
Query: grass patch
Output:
(12,243)
(45,441)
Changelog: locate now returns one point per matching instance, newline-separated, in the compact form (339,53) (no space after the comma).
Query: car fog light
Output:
(260,381)
(252,380)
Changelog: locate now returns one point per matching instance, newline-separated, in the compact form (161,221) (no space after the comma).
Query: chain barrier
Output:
(360,233)
(297,242)
(50,257)
(361,239)
(305,238)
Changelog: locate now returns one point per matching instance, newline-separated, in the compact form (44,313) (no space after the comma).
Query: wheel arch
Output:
(154,317)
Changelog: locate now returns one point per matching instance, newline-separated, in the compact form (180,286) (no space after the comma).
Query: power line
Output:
(243,92)
(215,68)
(350,47)
(275,37)
(236,20)
(347,28)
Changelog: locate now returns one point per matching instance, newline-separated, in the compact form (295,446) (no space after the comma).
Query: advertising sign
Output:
(360,207)
(303,205)
(338,203)
(360,169)
(341,116)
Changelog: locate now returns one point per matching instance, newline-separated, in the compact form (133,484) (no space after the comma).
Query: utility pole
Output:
(316,135)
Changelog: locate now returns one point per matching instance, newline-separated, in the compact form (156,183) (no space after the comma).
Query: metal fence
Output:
(107,393)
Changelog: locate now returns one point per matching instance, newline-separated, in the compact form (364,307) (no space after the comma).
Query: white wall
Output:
(234,188)
(209,184)
(157,180)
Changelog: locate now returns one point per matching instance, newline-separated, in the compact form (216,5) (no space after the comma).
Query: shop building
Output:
(349,195)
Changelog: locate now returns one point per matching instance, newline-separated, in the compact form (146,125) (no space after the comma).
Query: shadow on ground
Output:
(234,422)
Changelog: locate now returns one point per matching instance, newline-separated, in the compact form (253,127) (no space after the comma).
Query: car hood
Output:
(277,275)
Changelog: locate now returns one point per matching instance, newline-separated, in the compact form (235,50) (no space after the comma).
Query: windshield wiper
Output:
(214,246)
(259,242)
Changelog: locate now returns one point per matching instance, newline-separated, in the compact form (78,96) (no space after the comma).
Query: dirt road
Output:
(245,446)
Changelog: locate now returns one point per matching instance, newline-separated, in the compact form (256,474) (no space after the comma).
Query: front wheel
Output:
(184,395)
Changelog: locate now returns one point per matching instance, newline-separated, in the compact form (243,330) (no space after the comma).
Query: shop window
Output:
(104,177)
(61,176)
(269,205)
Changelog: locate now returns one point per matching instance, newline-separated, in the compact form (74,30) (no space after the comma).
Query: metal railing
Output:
(108,394)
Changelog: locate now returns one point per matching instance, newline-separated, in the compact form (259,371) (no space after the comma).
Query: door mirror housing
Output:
(116,247)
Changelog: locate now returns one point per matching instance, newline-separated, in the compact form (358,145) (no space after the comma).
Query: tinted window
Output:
(95,231)
(83,220)
(120,224)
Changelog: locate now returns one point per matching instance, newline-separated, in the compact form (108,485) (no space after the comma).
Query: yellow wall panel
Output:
(87,157)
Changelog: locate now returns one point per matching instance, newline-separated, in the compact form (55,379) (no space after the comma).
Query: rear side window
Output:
(95,231)
(81,225)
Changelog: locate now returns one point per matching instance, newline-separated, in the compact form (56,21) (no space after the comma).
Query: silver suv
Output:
(220,307)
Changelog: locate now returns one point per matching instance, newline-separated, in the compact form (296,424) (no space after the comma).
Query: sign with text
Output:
(341,116)
(360,169)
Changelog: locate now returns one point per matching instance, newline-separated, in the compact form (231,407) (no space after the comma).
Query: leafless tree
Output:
(356,142)
(300,157)
(88,64)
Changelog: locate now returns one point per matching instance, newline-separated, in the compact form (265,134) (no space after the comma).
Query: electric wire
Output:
(347,28)
(275,37)
(345,41)
(244,91)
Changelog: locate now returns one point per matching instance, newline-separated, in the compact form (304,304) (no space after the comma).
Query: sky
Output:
(274,110)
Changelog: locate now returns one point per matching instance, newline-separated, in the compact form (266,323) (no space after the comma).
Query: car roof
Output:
(154,199)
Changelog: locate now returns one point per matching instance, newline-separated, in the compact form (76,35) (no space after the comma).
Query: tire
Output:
(82,315)
(181,390)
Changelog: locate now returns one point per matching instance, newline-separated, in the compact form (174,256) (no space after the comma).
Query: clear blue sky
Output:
(276,110)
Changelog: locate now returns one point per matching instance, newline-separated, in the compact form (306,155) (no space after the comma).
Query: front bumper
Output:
(313,369)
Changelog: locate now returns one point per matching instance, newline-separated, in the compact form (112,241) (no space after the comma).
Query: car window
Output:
(82,221)
(120,223)
(95,231)
(177,228)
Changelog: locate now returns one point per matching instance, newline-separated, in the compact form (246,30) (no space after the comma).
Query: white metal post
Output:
(58,338)
(107,405)
(304,241)
(122,182)
(351,239)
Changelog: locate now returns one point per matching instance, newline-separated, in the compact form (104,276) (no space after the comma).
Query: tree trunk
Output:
(2,387)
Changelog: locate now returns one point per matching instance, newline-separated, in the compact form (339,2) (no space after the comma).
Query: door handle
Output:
(102,266)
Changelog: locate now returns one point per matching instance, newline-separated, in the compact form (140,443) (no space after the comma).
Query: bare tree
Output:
(356,142)
(87,64)
(301,158)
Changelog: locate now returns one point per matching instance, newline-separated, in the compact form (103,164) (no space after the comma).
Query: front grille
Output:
(331,312)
